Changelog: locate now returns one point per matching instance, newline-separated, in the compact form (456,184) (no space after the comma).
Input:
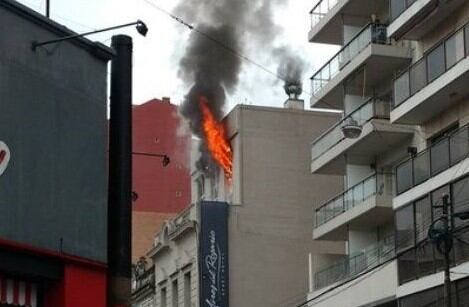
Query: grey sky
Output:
(156,56)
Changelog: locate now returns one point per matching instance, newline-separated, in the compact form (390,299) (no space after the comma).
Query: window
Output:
(454,48)
(423,218)
(187,290)
(407,266)
(425,259)
(404,176)
(466,38)
(436,63)
(418,76)
(437,200)
(439,153)
(397,7)
(460,198)
(405,231)
(459,142)
(411,226)
(401,89)
(163,297)
(175,294)
(421,167)
(200,182)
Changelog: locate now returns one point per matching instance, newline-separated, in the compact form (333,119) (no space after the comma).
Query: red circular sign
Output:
(4,157)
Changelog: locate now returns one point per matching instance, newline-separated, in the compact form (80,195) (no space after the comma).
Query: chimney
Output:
(293,91)
(166,99)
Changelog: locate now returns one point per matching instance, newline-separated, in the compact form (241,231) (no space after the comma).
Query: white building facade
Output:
(401,79)
(175,260)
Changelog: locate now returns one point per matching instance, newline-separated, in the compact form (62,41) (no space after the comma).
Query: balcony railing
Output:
(354,264)
(147,279)
(320,10)
(438,157)
(397,7)
(432,65)
(371,109)
(371,33)
(376,184)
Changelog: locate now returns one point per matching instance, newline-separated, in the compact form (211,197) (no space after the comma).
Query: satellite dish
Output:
(351,129)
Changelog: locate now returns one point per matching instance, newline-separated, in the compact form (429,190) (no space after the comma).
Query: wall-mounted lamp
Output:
(351,129)
(411,150)
(141,27)
(165,160)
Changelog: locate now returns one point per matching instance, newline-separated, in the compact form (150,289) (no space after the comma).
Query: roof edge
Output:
(97,49)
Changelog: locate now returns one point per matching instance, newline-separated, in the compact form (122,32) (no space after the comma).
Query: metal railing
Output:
(438,157)
(354,264)
(435,62)
(376,184)
(397,7)
(371,33)
(320,10)
(370,109)
(147,279)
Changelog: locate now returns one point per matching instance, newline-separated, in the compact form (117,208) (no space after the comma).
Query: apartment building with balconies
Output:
(403,141)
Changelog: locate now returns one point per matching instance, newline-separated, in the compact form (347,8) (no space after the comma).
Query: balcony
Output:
(328,151)
(329,16)
(370,47)
(365,205)
(356,263)
(143,283)
(439,157)
(412,19)
(435,82)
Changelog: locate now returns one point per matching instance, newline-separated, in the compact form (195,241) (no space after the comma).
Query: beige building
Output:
(270,200)
(401,79)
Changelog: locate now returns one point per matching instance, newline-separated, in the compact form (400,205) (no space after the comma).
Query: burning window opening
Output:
(215,139)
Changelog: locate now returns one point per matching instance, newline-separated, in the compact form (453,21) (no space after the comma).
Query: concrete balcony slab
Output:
(378,135)
(387,57)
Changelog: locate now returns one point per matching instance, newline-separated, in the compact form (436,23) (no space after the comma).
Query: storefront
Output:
(17,292)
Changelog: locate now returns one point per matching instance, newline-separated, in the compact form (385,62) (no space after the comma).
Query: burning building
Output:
(263,201)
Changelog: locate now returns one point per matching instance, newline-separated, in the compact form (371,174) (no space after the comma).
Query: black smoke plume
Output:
(290,68)
(211,69)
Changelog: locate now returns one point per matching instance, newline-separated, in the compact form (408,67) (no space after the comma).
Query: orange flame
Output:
(215,138)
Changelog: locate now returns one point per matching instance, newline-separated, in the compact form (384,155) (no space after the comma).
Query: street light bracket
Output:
(141,27)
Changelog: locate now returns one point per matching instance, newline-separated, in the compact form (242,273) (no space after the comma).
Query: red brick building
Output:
(161,191)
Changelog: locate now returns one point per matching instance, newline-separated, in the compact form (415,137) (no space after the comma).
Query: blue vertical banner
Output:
(213,254)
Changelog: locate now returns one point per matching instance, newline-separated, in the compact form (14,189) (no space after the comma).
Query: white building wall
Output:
(377,285)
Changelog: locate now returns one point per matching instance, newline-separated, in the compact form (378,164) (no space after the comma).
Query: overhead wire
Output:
(376,268)
(229,49)
(415,235)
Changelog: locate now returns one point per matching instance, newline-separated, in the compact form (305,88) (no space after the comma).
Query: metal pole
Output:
(120,174)
(446,215)
(65,38)
(47,8)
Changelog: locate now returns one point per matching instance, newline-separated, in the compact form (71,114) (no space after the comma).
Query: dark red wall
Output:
(156,129)
(80,286)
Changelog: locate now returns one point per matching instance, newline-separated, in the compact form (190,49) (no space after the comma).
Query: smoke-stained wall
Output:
(53,194)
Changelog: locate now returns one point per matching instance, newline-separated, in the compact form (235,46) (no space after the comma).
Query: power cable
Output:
(229,49)
(372,270)
(414,234)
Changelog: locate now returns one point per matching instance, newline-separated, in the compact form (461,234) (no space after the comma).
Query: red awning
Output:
(17,292)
